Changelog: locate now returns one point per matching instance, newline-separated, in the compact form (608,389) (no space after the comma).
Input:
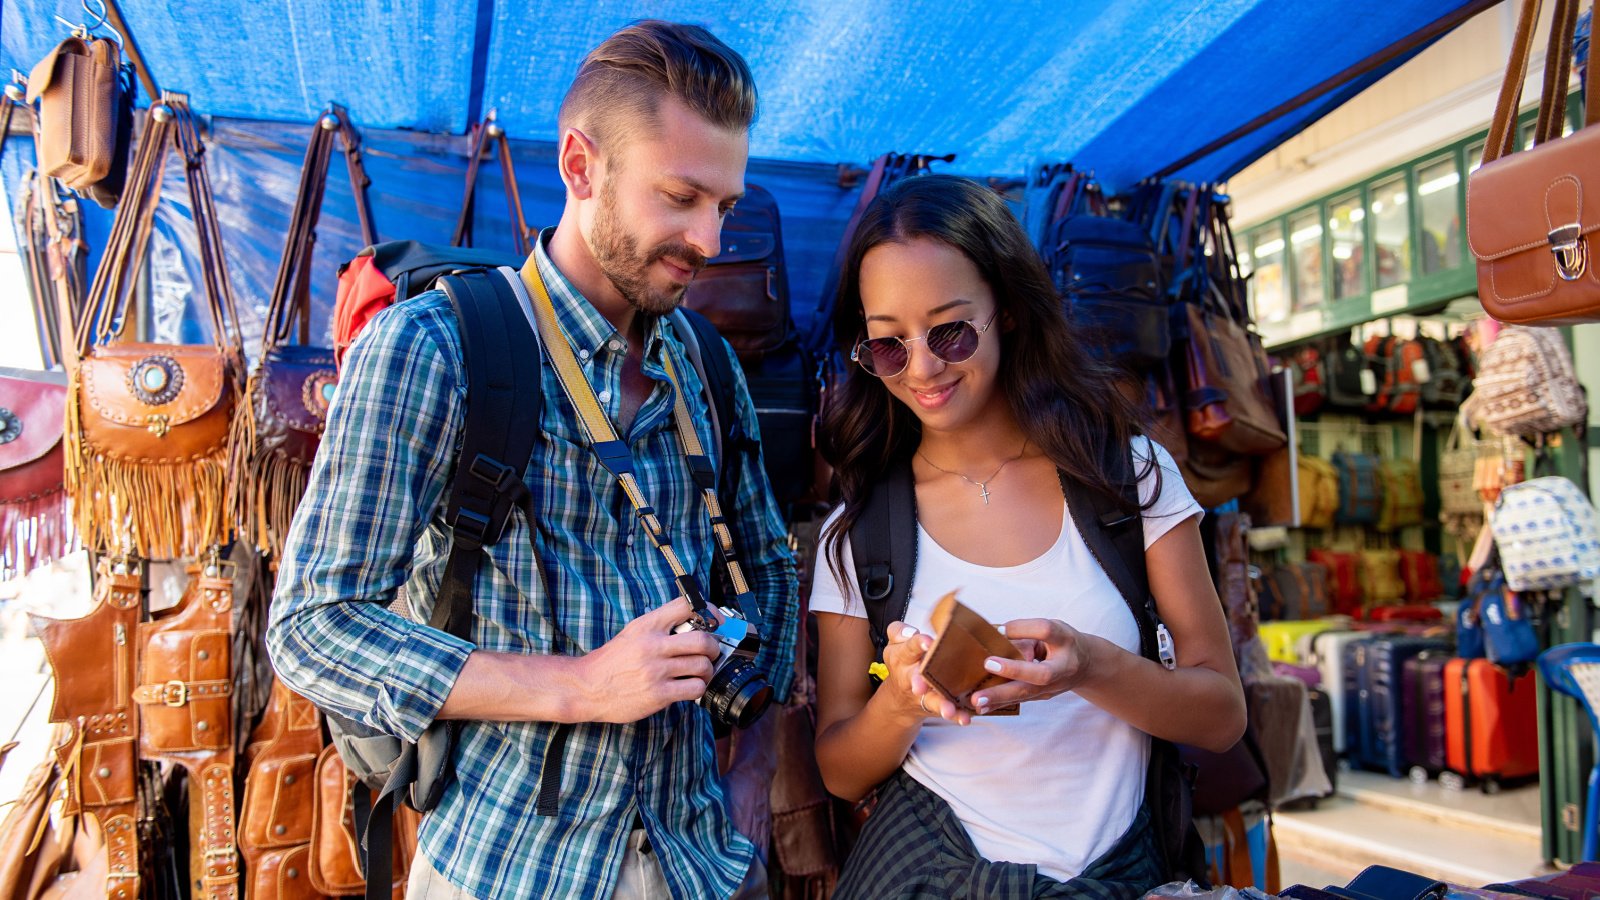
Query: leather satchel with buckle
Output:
(95,749)
(1532,215)
(147,424)
(277,429)
(185,704)
(280,793)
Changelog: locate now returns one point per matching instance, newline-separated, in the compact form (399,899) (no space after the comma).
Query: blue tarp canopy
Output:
(1123,87)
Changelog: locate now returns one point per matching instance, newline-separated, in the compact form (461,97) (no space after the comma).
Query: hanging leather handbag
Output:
(744,290)
(335,858)
(185,705)
(92,658)
(78,87)
(147,424)
(1532,215)
(1228,397)
(277,430)
(33,500)
(280,794)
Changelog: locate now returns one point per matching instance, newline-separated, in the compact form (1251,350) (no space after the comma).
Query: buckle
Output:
(227,851)
(1570,250)
(175,693)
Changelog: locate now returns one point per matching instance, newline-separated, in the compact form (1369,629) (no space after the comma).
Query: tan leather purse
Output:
(185,701)
(92,659)
(335,844)
(1532,215)
(147,424)
(280,794)
(78,88)
(277,429)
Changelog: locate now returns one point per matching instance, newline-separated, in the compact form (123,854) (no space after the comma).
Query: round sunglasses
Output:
(950,343)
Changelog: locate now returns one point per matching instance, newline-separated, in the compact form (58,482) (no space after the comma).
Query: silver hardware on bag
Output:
(1164,648)
(1570,250)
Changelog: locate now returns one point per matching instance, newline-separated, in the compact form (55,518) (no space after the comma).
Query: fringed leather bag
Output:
(277,429)
(148,424)
(33,500)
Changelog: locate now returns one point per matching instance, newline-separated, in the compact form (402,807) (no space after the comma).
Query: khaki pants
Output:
(641,878)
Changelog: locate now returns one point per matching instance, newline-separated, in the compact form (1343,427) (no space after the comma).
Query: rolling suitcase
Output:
(1327,654)
(1378,667)
(1422,721)
(1287,641)
(1491,723)
(1322,717)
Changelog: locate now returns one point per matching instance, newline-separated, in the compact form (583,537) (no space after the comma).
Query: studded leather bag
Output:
(33,526)
(336,859)
(184,695)
(277,429)
(147,423)
(95,748)
(280,793)
(1533,215)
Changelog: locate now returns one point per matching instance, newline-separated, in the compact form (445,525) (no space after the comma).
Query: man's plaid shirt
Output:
(371,522)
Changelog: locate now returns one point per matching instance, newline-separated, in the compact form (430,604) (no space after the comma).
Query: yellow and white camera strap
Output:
(618,459)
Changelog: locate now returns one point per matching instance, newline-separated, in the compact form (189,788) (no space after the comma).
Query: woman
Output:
(969,374)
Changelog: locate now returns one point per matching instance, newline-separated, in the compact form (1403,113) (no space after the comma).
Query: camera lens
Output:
(737,694)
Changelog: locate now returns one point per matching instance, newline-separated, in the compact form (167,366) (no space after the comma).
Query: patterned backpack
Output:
(1360,489)
(1526,385)
(1402,494)
(1548,534)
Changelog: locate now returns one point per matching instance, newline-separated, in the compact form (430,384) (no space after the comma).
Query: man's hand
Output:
(646,668)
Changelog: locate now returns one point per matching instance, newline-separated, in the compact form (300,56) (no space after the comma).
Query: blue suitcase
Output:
(1381,705)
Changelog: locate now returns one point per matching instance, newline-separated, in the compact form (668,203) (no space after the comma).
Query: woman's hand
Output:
(915,699)
(1055,659)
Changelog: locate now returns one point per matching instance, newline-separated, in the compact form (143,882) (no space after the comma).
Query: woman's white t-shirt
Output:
(1057,785)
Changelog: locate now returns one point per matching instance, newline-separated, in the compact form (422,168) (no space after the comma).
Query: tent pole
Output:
(1405,45)
(114,16)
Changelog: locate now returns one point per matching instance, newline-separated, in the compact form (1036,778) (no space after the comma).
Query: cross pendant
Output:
(983,488)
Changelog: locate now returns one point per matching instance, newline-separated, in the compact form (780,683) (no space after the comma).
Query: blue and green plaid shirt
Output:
(371,524)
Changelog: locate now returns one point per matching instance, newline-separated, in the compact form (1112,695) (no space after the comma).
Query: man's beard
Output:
(616,251)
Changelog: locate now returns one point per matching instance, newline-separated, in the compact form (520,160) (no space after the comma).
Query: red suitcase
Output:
(1491,725)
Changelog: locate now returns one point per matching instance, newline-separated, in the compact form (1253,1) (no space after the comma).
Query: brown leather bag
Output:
(147,424)
(277,429)
(92,659)
(185,704)
(335,844)
(280,794)
(1532,215)
(78,88)
(33,511)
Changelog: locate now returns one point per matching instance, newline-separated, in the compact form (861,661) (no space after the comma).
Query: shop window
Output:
(1475,156)
(1269,288)
(1305,235)
(1347,231)
(1391,231)
(1439,212)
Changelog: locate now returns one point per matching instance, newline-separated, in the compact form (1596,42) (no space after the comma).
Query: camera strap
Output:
(614,454)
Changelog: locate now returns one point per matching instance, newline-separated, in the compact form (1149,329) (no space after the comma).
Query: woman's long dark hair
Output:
(1066,401)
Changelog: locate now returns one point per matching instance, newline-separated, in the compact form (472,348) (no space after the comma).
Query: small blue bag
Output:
(1508,632)
(1469,614)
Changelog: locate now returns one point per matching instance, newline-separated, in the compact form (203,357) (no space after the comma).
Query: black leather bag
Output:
(744,290)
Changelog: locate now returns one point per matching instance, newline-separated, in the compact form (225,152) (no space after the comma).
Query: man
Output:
(654,140)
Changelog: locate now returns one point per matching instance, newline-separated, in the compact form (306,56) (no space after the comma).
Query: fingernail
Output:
(981,700)
(908,632)
(1001,629)
(992,665)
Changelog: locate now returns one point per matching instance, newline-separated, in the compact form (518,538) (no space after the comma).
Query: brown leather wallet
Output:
(962,641)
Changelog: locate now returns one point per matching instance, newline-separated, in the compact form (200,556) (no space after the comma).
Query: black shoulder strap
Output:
(704,344)
(1114,532)
(883,546)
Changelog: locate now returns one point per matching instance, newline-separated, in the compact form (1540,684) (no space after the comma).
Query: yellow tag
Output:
(880,670)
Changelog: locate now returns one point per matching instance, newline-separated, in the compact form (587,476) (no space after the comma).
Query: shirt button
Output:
(604,397)
(615,346)
(583,355)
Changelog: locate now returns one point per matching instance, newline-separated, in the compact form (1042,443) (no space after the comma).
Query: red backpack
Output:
(1310,380)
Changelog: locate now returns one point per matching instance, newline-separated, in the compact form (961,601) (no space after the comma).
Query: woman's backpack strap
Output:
(883,544)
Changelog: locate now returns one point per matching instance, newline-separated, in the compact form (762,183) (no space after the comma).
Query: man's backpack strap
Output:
(883,547)
(501,356)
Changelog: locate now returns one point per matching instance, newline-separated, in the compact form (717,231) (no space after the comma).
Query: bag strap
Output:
(482,133)
(703,344)
(883,550)
(1502,139)
(170,122)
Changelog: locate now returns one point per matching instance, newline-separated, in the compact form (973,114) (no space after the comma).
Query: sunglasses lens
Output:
(883,356)
(953,342)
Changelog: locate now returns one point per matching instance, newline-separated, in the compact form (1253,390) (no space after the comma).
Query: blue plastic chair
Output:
(1574,670)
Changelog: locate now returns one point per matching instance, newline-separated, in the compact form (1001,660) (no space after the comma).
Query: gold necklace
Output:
(982,486)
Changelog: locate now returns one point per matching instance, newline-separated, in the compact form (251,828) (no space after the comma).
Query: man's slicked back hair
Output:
(621,83)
